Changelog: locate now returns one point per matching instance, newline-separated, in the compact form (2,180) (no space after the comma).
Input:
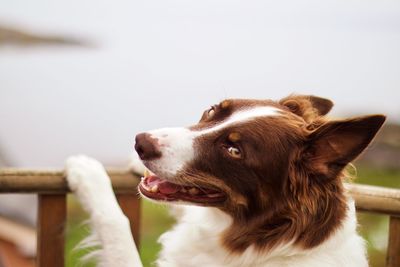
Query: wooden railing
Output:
(382,201)
(52,189)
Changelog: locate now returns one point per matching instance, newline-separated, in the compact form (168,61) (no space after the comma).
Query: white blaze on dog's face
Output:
(175,155)
(177,145)
(275,167)
(176,148)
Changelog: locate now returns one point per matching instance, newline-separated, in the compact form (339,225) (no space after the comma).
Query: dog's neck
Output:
(306,221)
(200,230)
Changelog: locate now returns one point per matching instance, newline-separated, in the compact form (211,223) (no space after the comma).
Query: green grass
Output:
(379,177)
(155,220)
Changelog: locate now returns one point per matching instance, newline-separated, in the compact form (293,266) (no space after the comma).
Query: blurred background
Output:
(86,76)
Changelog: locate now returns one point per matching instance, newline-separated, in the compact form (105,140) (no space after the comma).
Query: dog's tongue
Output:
(164,186)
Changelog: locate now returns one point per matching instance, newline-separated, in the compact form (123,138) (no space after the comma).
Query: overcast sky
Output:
(159,63)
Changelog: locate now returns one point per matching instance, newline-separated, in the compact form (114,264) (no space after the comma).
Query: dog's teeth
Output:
(183,190)
(154,189)
(193,191)
(146,173)
(146,187)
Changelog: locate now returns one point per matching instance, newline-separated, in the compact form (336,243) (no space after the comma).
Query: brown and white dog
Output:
(258,183)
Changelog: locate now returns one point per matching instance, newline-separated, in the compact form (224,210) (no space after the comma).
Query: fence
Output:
(52,190)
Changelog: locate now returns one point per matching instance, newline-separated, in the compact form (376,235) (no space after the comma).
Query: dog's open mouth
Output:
(157,188)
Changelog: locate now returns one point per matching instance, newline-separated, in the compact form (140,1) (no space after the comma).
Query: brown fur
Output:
(283,201)
(287,184)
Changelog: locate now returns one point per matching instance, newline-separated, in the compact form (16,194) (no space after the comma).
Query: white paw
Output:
(88,179)
(85,172)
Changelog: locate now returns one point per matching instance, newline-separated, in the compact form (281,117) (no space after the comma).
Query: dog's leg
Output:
(89,181)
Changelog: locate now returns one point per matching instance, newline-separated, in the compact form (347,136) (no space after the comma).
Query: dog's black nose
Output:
(147,147)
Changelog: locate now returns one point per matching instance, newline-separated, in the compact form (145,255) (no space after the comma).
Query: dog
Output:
(255,183)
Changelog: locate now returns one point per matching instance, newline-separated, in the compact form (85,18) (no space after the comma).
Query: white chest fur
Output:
(195,241)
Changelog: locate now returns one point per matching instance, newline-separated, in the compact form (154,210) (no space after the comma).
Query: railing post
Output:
(52,215)
(393,251)
(130,205)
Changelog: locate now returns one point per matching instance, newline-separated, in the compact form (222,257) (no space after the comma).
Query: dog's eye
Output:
(234,152)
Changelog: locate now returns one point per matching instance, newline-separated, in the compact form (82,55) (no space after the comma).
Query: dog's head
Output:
(257,160)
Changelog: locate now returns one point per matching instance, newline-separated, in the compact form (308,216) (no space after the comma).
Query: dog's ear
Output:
(336,143)
(307,106)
